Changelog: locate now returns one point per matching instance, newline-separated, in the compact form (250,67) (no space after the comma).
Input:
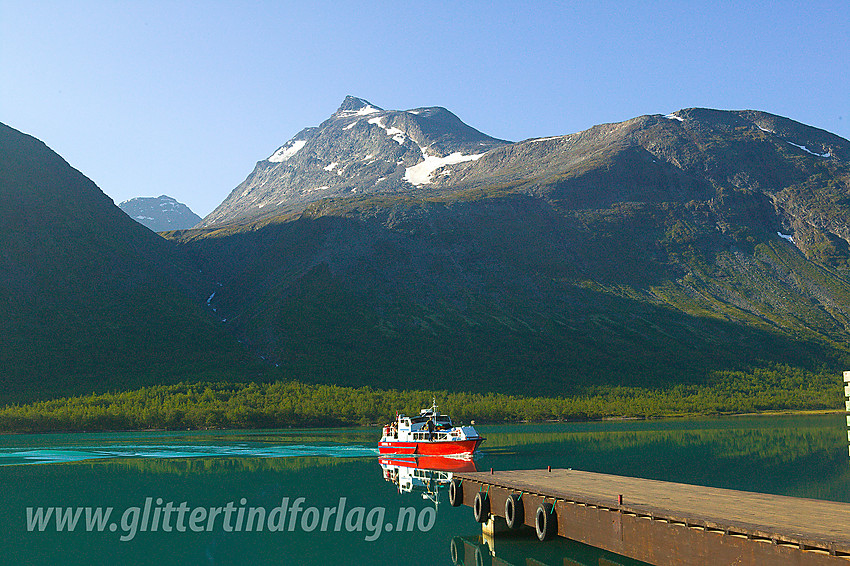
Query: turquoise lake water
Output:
(322,496)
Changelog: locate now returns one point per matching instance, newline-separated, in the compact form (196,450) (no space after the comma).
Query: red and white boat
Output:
(426,473)
(429,434)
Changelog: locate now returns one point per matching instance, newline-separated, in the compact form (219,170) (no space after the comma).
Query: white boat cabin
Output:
(417,429)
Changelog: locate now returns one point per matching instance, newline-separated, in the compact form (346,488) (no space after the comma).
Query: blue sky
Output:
(183,98)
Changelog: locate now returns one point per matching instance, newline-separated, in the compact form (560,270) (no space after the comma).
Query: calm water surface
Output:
(228,497)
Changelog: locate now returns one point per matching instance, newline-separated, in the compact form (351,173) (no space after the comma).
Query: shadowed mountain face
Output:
(652,251)
(89,299)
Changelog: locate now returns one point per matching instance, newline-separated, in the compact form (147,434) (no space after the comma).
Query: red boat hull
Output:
(434,448)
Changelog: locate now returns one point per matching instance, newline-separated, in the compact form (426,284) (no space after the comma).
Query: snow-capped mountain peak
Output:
(360,149)
(353,106)
(160,213)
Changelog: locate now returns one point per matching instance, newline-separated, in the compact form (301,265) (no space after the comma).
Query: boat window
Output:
(415,420)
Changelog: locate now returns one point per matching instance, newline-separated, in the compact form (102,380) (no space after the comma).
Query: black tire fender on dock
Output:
(456,493)
(514,512)
(481,507)
(545,522)
(457,551)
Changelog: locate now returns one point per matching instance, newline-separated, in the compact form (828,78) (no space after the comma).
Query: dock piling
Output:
(847,404)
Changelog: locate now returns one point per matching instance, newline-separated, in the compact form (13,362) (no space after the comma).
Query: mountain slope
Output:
(360,149)
(160,213)
(654,251)
(90,299)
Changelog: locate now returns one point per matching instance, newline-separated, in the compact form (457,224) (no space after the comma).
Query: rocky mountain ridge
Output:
(160,213)
(361,149)
(674,245)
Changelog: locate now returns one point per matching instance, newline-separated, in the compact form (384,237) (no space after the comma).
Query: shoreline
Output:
(209,406)
(770,413)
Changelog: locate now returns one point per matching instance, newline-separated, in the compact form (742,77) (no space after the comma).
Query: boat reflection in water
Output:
(427,474)
(519,548)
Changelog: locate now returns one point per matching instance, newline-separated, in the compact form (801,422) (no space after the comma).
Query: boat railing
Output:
(434,436)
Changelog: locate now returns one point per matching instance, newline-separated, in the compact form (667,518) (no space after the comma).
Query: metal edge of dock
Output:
(684,534)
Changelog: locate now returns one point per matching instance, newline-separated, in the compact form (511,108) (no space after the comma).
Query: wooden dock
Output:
(668,523)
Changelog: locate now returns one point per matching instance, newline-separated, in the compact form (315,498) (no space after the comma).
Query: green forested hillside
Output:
(279,404)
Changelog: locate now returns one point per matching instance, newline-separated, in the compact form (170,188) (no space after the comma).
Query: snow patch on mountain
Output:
(397,135)
(365,111)
(534,140)
(287,150)
(807,150)
(420,174)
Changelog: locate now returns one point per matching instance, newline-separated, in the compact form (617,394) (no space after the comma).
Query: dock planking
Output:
(671,523)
